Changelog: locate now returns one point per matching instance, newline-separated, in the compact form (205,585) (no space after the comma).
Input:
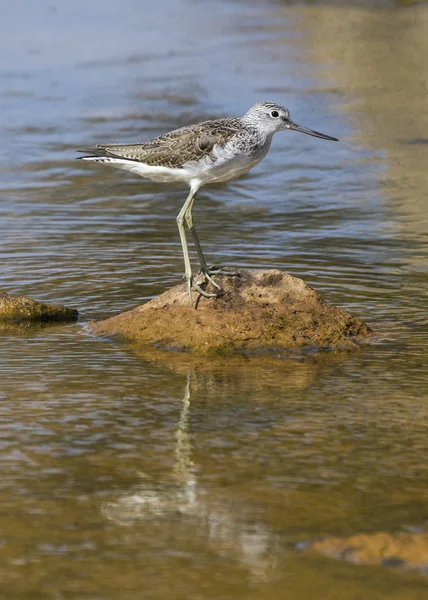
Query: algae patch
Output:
(21,309)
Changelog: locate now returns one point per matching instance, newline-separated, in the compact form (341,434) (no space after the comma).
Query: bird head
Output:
(270,117)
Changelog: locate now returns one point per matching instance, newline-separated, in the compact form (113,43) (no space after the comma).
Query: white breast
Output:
(229,163)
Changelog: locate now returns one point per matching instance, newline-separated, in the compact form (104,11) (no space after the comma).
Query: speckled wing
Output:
(176,148)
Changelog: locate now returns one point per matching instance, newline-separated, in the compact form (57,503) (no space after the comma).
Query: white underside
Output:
(227,166)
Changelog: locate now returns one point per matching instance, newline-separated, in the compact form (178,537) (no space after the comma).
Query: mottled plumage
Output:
(208,152)
(177,147)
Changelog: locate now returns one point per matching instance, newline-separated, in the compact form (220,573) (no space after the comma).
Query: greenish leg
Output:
(189,220)
(187,268)
(207,271)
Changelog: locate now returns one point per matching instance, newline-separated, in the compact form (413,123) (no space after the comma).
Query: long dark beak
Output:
(317,134)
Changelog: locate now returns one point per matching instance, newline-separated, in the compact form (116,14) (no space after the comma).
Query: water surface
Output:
(129,474)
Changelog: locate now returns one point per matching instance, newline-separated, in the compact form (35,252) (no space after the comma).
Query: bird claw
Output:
(207,272)
(193,286)
(210,279)
(222,270)
(201,291)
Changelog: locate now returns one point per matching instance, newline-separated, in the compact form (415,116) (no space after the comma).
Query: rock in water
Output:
(257,312)
(20,309)
(404,550)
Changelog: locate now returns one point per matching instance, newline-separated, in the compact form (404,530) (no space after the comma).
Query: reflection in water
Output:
(178,496)
(280,452)
(381,67)
(227,532)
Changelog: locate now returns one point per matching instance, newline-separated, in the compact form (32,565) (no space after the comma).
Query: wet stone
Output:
(258,312)
(20,309)
(406,551)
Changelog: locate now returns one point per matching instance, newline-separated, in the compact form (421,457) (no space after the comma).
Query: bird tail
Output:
(95,153)
(100,154)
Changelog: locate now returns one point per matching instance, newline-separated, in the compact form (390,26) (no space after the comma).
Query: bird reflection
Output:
(205,517)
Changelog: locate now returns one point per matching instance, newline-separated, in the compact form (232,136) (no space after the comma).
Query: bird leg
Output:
(204,269)
(203,263)
(187,268)
(213,269)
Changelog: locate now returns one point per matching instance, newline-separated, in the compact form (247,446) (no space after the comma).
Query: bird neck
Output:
(262,136)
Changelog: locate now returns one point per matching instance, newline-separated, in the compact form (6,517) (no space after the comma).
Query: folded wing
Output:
(172,149)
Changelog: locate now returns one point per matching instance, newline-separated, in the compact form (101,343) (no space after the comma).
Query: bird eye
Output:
(274,113)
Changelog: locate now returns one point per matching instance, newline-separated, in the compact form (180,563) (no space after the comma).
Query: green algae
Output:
(21,309)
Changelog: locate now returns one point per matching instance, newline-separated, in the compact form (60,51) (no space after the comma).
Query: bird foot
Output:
(222,270)
(217,270)
(209,279)
(193,286)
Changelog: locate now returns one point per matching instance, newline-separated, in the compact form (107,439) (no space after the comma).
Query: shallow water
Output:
(130,474)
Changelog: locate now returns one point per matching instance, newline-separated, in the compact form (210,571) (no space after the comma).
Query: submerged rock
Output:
(403,550)
(260,311)
(20,309)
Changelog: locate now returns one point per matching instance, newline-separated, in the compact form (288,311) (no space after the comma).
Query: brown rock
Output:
(258,311)
(20,309)
(403,550)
